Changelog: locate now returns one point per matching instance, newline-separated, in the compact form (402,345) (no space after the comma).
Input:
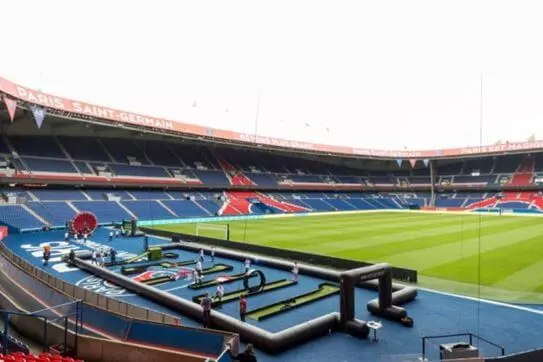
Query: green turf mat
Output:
(325,290)
(234,295)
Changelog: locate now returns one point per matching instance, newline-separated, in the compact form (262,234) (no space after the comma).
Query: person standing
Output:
(110,236)
(71,257)
(247,265)
(295,271)
(66,236)
(213,254)
(85,238)
(220,293)
(46,255)
(113,256)
(201,258)
(242,307)
(101,258)
(206,308)
(247,356)
(199,271)
(94,257)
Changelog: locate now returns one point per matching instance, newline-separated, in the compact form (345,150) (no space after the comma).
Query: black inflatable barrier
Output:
(403,274)
(249,275)
(170,255)
(357,328)
(267,341)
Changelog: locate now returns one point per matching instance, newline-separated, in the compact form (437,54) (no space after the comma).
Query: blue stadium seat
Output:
(36,146)
(49,165)
(142,171)
(185,208)
(56,213)
(262,179)
(17,217)
(212,178)
(106,211)
(58,195)
(148,210)
(84,148)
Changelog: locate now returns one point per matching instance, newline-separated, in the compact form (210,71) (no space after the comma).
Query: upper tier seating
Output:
(160,154)
(481,165)
(507,164)
(84,148)
(483,179)
(263,180)
(212,177)
(142,171)
(36,146)
(120,149)
(48,165)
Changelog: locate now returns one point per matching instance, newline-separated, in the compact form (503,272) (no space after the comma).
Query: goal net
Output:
(216,231)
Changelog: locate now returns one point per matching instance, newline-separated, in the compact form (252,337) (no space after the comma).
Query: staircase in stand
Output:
(235,176)
(523,176)
(239,202)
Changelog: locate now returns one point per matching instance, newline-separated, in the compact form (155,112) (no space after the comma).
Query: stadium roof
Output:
(75,110)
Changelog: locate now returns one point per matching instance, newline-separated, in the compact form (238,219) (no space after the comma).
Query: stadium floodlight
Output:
(218,231)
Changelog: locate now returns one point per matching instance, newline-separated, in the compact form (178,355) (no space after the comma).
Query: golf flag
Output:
(11,105)
(412,162)
(39,115)
(426,162)
(399,162)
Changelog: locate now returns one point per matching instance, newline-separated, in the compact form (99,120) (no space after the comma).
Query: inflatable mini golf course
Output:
(137,266)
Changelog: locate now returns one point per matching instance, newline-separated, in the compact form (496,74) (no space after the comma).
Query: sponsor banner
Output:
(123,117)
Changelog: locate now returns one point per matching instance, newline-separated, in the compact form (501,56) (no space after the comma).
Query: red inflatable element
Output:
(84,223)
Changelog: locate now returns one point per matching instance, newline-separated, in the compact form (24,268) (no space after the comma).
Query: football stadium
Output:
(118,228)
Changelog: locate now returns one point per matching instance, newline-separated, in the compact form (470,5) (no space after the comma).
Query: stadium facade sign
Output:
(85,109)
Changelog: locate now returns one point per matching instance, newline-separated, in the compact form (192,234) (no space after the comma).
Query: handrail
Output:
(471,335)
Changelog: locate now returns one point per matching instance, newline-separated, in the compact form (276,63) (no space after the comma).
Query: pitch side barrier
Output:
(403,274)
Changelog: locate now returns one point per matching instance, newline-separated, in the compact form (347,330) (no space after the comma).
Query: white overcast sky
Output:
(377,74)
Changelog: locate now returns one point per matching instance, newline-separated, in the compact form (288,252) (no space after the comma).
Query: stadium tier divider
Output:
(403,274)
(125,321)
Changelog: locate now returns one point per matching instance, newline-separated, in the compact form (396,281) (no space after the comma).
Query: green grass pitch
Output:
(451,252)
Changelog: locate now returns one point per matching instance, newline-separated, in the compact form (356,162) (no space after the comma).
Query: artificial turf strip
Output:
(325,290)
(502,252)
(234,295)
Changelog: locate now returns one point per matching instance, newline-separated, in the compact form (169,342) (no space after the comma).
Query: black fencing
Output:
(407,275)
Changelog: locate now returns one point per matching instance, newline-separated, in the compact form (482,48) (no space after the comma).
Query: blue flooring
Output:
(434,313)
